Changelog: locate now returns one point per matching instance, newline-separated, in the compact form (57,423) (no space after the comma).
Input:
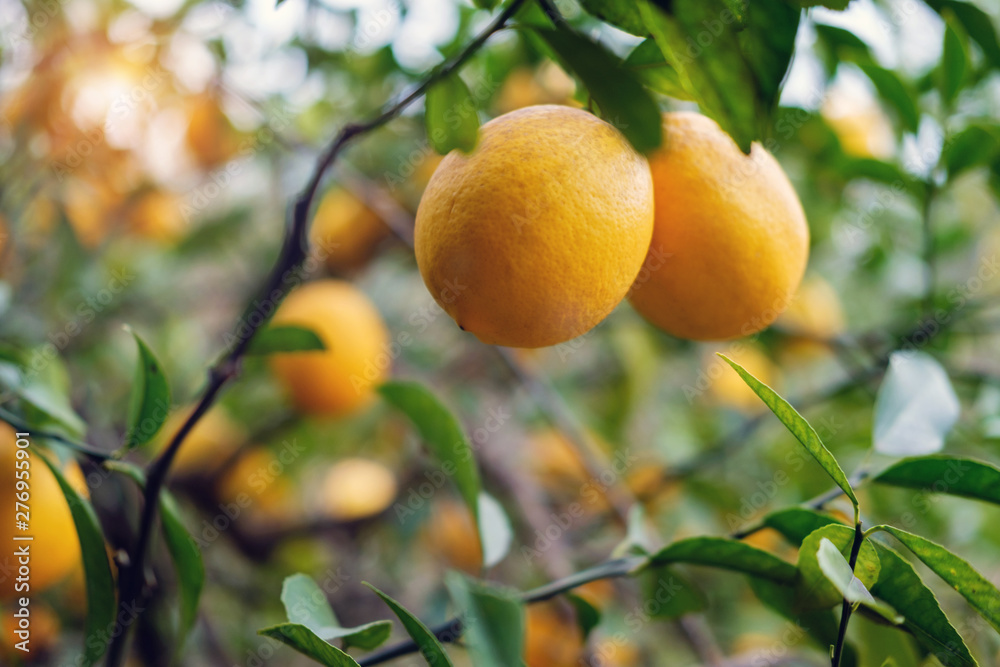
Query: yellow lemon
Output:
(341,378)
(730,242)
(212,440)
(357,488)
(534,237)
(345,232)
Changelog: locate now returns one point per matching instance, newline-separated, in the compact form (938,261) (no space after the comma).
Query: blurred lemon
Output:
(451,534)
(345,232)
(555,460)
(552,638)
(210,137)
(598,593)
(258,476)
(815,311)
(214,438)
(90,209)
(728,389)
(44,634)
(524,87)
(156,215)
(357,488)
(55,549)
(341,378)
(862,128)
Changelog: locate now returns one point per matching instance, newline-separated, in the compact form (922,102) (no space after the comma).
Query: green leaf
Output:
(716,73)
(915,408)
(495,533)
(895,92)
(838,572)
(975,146)
(727,554)
(954,67)
(976,22)
(945,474)
(486,4)
(796,523)
(44,393)
(588,616)
(961,576)
(280,339)
(451,116)
(838,5)
(767,42)
(305,641)
(442,433)
(820,625)
(149,404)
(799,427)
(669,595)
(647,62)
(494,621)
(814,589)
(430,648)
(101,603)
(306,604)
(623,100)
(900,585)
(622,15)
(187,562)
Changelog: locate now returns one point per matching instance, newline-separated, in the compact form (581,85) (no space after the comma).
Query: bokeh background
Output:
(148,150)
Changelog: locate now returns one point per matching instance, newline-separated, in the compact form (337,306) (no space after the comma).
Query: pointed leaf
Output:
(915,407)
(622,15)
(961,576)
(494,621)
(495,532)
(187,562)
(944,474)
(838,571)
(285,338)
(976,22)
(799,427)
(431,649)
(648,63)
(667,594)
(306,604)
(954,65)
(442,434)
(305,641)
(892,89)
(900,585)
(975,146)
(149,404)
(622,99)
(101,603)
(451,116)
(727,554)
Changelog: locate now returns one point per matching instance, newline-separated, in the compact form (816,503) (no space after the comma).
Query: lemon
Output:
(535,237)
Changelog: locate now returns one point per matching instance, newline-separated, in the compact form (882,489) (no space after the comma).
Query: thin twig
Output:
(280,281)
(847,608)
(72,443)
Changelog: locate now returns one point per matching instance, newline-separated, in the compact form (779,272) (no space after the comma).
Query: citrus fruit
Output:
(340,378)
(258,482)
(451,533)
(730,242)
(816,311)
(534,237)
(357,488)
(214,438)
(210,136)
(156,215)
(55,549)
(345,232)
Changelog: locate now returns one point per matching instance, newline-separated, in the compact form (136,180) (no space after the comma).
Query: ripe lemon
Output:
(156,215)
(210,137)
(816,311)
(357,488)
(341,378)
(259,482)
(451,533)
(534,237)
(345,232)
(730,242)
(214,438)
(55,549)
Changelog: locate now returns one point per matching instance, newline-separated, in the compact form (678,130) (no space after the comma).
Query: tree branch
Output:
(847,608)
(280,281)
